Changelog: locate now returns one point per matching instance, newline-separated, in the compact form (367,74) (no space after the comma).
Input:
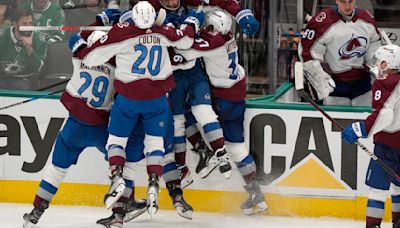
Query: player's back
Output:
(143,65)
(89,93)
(386,101)
(220,56)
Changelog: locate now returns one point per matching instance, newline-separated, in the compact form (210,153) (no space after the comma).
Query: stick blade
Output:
(298,76)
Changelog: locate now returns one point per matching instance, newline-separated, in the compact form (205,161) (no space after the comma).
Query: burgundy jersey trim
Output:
(236,93)
(77,107)
(145,89)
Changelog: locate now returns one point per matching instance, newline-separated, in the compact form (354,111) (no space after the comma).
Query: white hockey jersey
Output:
(143,67)
(384,121)
(343,45)
(219,53)
(89,93)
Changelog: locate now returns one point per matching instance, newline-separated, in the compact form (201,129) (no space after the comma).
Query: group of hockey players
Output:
(341,49)
(158,79)
(139,90)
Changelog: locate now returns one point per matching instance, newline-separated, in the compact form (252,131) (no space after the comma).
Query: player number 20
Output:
(155,52)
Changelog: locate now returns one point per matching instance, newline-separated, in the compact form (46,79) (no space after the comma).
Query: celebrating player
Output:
(384,125)
(143,77)
(218,48)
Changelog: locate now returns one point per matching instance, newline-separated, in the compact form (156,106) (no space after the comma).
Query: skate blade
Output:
(152,206)
(185,182)
(258,209)
(133,214)
(27,224)
(185,214)
(227,174)
(204,173)
(111,200)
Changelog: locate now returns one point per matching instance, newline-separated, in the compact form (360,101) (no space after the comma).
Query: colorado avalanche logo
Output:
(355,47)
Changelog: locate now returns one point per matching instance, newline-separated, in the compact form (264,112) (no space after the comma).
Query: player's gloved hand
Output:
(195,18)
(76,42)
(247,22)
(109,16)
(354,131)
(126,17)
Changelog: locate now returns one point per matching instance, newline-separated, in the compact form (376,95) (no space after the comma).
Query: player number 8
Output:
(378,95)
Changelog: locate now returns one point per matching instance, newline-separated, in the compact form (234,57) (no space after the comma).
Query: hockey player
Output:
(336,44)
(171,175)
(143,77)
(218,48)
(88,104)
(384,125)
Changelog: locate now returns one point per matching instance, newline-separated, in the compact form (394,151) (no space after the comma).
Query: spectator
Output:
(46,13)
(22,53)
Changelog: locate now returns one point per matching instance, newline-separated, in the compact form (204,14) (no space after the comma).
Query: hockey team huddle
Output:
(168,73)
(140,90)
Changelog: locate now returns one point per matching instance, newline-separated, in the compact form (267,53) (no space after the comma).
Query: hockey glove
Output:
(109,16)
(126,17)
(195,18)
(247,22)
(317,81)
(76,42)
(354,131)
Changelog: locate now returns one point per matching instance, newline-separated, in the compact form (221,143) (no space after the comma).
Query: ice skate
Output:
(133,209)
(116,189)
(152,195)
(256,201)
(182,207)
(34,216)
(186,178)
(224,165)
(114,221)
(207,163)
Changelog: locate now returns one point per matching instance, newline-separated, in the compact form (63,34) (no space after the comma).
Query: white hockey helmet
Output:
(95,36)
(387,53)
(143,15)
(220,21)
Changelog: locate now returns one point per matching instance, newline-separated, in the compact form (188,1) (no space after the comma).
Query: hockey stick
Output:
(159,21)
(299,80)
(32,99)
(65,28)
(53,85)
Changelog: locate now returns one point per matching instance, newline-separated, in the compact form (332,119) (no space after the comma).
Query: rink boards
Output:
(303,166)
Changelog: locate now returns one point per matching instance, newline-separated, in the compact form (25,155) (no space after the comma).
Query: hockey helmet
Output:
(387,53)
(143,15)
(219,20)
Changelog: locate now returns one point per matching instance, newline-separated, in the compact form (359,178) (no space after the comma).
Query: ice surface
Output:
(85,217)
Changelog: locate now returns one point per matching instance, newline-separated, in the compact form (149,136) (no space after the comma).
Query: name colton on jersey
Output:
(149,39)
